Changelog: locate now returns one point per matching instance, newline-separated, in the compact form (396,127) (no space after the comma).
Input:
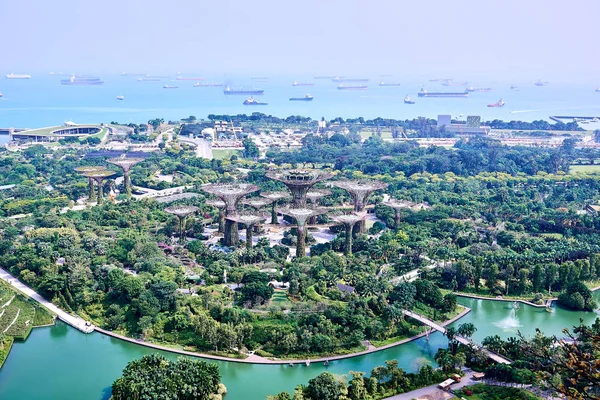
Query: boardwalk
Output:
(76,322)
(497,358)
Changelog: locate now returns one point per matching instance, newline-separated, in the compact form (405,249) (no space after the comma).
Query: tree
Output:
(325,387)
(403,295)
(538,278)
(450,303)
(492,275)
(155,377)
(478,274)
(256,293)
(357,389)
(250,148)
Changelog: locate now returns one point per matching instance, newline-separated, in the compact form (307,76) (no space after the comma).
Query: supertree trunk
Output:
(274,213)
(348,244)
(397,219)
(100,194)
(127,183)
(221,221)
(231,233)
(249,237)
(301,242)
(92,190)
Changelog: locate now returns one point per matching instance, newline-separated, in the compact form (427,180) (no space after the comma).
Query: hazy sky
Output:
(528,38)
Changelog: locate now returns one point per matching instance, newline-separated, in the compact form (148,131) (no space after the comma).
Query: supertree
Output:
(220,205)
(299,181)
(82,171)
(301,215)
(126,164)
(398,205)
(314,196)
(257,202)
(98,176)
(231,195)
(181,212)
(249,220)
(276,197)
(349,220)
(360,190)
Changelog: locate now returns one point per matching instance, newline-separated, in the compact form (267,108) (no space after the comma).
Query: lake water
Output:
(43,101)
(61,363)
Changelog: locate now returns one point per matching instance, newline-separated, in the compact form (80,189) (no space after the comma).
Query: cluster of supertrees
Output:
(97,174)
(300,185)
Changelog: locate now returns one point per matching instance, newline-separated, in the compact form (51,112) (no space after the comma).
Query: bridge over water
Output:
(493,356)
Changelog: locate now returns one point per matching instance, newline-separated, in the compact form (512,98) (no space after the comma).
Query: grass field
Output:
(584,169)
(18,315)
(222,154)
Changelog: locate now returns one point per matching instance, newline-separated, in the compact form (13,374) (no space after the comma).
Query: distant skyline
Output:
(510,39)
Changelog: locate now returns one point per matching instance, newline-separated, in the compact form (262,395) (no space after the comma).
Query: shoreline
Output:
(254,359)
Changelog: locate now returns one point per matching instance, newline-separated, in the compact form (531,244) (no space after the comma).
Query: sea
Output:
(42,101)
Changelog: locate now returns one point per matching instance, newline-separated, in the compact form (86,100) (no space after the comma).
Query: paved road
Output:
(434,391)
(203,147)
(76,322)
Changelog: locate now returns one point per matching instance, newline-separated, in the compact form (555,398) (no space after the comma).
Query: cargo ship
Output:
(499,103)
(513,87)
(407,100)
(170,87)
(207,84)
(338,79)
(182,78)
(382,83)
(17,76)
(308,97)
(120,97)
(539,82)
(148,78)
(425,93)
(302,84)
(478,89)
(598,89)
(82,80)
(1,95)
(253,102)
(324,77)
(229,90)
(352,87)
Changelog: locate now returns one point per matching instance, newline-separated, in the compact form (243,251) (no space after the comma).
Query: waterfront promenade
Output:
(75,321)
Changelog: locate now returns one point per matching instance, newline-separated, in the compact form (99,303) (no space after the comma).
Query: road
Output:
(433,391)
(76,322)
(203,147)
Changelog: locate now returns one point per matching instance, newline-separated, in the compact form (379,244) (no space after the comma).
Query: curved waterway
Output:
(59,362)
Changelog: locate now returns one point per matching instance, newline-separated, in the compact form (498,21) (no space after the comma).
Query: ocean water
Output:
(43,101)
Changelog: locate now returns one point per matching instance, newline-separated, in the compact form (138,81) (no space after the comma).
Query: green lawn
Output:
(584,169)
(221,154)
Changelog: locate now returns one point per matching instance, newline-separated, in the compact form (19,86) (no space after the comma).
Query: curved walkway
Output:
(254,359)
(547,303)
(75,321)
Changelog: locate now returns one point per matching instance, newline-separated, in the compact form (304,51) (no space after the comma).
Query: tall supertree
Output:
(82,171)
(249,221)
(398,205)
(315,196)
(181,212)
(299,181)
(98,176)
(301,215)
(349,220)
(231,195)
(276,197)
(220,205)
(126,164)
(360,190)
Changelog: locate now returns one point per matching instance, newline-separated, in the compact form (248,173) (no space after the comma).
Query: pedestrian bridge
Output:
(493,356)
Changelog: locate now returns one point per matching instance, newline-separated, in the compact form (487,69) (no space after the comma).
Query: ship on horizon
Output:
(425,93)
(308,97)
(478,89)
(382,83)
(324,77)
(302,84)
(407,100)
(352,87)
(148,78)
(598,89)
(499,103)
(183,78)
(121,97)
(17,76)
(539,82)
(170,87)
(229,90)
(251,101)
(207,84)
(81,80)
(341,79)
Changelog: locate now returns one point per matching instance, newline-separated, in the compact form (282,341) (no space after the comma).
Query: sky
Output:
(553,39)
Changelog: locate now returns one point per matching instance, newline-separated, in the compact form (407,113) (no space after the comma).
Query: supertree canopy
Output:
(126,164)
(276,197)
(181,212)
(301,215)
(360,190)
(349,220)
(299,181)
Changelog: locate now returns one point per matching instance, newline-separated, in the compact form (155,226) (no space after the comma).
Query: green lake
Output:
(59,362)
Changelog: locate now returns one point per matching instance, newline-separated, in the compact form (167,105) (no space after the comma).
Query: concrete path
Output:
(76,322)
